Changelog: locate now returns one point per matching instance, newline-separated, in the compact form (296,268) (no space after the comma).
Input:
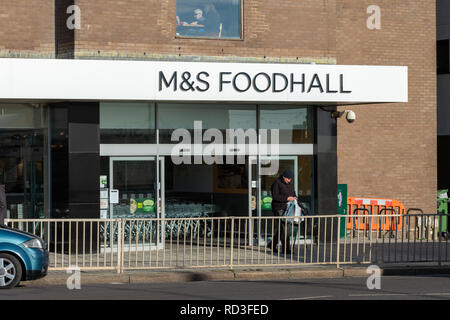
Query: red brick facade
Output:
(390,150)
(271,29)
(27,28)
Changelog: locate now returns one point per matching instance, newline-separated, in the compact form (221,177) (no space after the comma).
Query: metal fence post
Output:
(338,242)
(120,239)
(439,237)
(232,242)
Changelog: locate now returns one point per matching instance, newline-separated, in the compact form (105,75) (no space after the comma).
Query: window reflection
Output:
(127,122)
(23,160)
(293,122)
(218,116)
(209,18)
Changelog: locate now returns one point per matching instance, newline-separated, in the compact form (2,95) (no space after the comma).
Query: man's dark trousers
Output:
(280,235)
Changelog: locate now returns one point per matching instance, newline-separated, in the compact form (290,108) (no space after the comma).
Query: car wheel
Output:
(10,271)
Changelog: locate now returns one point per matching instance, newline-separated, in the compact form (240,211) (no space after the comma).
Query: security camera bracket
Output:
(335,114)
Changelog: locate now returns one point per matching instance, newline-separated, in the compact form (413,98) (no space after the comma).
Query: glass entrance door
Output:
(259,189)
(134,187)
(257,177)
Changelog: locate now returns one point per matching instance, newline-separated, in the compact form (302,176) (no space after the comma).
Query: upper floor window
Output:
(209,18)
(442,56)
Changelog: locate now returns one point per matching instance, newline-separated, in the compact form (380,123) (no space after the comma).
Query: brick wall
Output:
(390,150)
(27,28)
(143,28)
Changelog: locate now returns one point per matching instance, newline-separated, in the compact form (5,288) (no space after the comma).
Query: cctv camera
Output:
(351,116)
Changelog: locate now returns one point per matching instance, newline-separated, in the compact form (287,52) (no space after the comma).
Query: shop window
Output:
(209,18)
(443,56)
(123,123)
(195,190)
(216,116)
(24,159)
(293,123)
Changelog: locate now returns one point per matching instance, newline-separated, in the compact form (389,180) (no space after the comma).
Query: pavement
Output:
(241,274)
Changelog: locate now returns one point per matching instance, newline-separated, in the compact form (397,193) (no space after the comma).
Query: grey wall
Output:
(84,159)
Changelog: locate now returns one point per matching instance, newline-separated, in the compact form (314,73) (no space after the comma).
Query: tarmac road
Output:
(432,287)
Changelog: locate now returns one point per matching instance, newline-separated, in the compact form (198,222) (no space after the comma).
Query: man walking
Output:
(282,192)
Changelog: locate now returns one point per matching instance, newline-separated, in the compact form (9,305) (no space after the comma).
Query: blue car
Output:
(23,257)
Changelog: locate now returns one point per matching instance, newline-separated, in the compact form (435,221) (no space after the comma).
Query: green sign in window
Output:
(142,205)
(266,203)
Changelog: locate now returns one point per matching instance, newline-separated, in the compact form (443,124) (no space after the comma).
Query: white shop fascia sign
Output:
(55,79)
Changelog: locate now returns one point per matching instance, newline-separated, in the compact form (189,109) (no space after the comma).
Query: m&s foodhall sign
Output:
(261,82)
(48,79)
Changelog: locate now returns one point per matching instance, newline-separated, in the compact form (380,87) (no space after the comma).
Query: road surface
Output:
(391,287)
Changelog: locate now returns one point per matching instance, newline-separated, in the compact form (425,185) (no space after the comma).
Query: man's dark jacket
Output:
(280,192)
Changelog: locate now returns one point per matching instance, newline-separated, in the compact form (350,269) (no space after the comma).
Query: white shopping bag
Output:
(294,210)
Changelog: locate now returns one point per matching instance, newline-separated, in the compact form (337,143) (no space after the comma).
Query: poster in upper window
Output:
(209,18)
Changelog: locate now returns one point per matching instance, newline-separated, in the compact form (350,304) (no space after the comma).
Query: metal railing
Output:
(227,242)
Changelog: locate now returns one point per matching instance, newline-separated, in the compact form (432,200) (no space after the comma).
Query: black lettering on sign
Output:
(173,79)
(202,81)
(274,81)
(341,76)
(265,75)
(261,82)
(313,83)
(249,80)
(328,85)
(222,81)
(302,82)
(186,85)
